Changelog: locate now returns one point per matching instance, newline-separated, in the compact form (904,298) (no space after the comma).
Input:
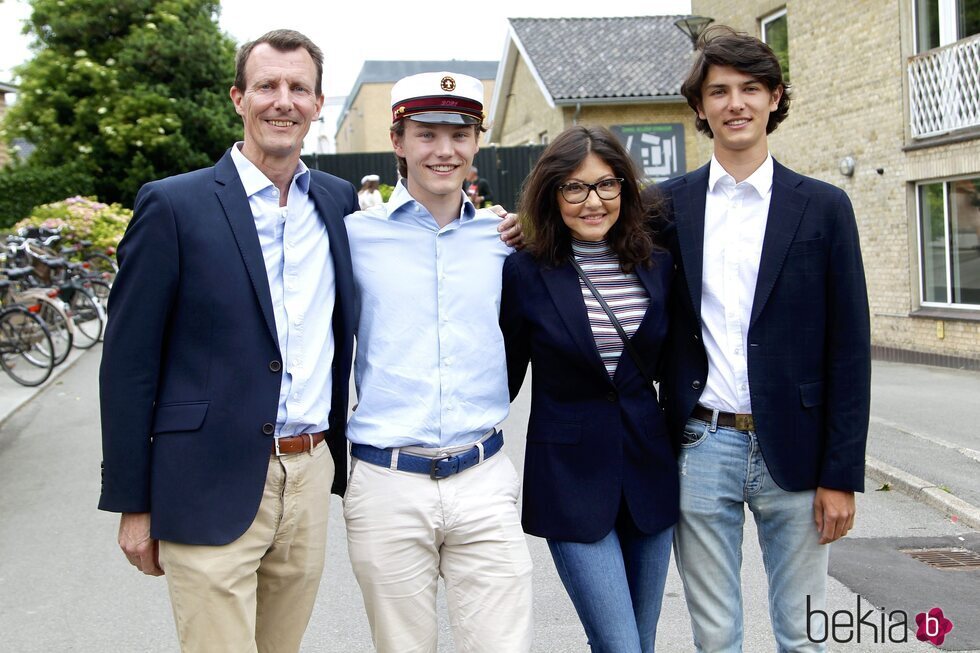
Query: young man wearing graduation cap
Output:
(430,491)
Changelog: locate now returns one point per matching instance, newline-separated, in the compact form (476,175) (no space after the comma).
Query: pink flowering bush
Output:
(81,218)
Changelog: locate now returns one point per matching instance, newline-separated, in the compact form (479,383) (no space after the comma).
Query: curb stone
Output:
(924,491)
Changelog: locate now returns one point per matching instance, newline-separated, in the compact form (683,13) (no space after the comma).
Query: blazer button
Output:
(268,428)
(275,366)
(611,397)
(696,385)
(696,337)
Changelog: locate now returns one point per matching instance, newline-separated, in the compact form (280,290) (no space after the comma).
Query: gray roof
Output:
(7,88)
(392,71)
(612,57)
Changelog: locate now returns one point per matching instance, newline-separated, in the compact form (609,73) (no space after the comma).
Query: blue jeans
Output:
(616,586)
(721,471)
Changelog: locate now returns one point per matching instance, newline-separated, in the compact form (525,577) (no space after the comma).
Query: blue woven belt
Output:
(436,468)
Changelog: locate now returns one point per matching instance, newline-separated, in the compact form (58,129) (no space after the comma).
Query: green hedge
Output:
(22,187)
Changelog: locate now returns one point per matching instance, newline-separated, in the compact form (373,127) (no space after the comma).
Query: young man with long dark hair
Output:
(767,386)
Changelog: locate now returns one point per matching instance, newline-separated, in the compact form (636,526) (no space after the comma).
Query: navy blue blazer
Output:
(591,441)
(191,365)
(809,354)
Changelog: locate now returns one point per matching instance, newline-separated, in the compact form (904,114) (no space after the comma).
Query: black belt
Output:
(737,421)
(437,468)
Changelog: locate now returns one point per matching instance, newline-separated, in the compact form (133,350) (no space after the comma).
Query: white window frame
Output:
(947,224)
(768,18)
(947,23)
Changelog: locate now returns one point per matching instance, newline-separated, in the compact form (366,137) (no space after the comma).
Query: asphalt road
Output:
(64,585)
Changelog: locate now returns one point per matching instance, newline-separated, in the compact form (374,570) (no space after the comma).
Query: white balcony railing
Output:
(944,88)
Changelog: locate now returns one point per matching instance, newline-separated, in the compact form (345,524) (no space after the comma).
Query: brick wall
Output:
(528,113)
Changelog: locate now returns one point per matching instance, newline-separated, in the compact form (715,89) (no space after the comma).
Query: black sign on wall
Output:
(657,150)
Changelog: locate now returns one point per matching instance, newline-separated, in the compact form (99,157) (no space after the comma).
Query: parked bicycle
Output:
(26,350)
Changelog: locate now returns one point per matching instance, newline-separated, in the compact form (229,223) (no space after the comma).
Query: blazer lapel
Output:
(333,216)
(231,194)
(650,279)
(785,212)
(563,286)
(688,207)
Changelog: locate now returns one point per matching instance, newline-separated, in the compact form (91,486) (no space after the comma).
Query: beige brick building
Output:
(552,76)
(891,88)
(4,90)
(366,115)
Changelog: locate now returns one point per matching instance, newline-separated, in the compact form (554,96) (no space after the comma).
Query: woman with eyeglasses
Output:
(600,475)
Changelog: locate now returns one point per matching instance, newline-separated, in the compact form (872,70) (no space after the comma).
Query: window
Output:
(949,242)
(941,22)
(775,32)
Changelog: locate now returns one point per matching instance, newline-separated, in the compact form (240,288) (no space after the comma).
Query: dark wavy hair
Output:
(283,40)
(720,45)
(549,240)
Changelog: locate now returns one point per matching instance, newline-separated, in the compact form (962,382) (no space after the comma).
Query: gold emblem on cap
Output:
(400,110)
(448,84)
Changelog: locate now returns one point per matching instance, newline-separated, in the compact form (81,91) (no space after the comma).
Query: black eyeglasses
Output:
(575,192)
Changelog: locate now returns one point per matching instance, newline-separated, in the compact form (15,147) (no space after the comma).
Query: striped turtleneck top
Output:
(624,293)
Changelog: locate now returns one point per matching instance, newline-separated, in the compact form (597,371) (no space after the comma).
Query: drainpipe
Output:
(578,110)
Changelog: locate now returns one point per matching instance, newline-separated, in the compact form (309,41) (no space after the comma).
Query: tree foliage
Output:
(131,90)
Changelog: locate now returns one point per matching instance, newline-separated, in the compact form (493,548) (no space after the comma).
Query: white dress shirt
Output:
(430,368)
(299,267)
(735,217)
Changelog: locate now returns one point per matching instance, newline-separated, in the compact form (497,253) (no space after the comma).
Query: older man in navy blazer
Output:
(225,370)
(767,382)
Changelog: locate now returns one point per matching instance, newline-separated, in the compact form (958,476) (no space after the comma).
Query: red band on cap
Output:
(437,104)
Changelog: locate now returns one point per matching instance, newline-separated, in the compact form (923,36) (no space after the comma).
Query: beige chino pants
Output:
(256,594)
(404,530)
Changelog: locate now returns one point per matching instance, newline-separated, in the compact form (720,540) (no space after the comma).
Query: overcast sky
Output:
(352,31)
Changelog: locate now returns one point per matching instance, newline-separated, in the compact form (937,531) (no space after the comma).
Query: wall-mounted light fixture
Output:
(693,26)
(846,166)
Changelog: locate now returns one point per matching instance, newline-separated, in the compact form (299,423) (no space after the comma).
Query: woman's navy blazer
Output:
(591,440)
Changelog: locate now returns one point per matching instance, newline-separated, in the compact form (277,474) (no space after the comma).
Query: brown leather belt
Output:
(301,443)
(737,421)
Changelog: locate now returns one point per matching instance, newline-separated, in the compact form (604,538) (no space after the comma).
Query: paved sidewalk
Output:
(13,395)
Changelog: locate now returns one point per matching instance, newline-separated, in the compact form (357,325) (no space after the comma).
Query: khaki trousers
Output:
(256,594)
(404,530)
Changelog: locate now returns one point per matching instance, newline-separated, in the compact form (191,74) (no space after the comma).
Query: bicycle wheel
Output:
(102,263)
(100,290)
(26,350)
(59,326)
(85,313)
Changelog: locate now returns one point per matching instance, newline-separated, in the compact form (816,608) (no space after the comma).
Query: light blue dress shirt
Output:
(430,368)
(299,267)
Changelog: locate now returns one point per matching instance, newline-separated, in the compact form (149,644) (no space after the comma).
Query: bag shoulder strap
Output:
(635,355)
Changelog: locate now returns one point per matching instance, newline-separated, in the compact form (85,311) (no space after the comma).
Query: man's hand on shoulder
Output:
(510,228)
(833,510)
(142,551)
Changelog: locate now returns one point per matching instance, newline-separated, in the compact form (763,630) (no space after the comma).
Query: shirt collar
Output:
(402,200)
(761,179)
(254,180)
